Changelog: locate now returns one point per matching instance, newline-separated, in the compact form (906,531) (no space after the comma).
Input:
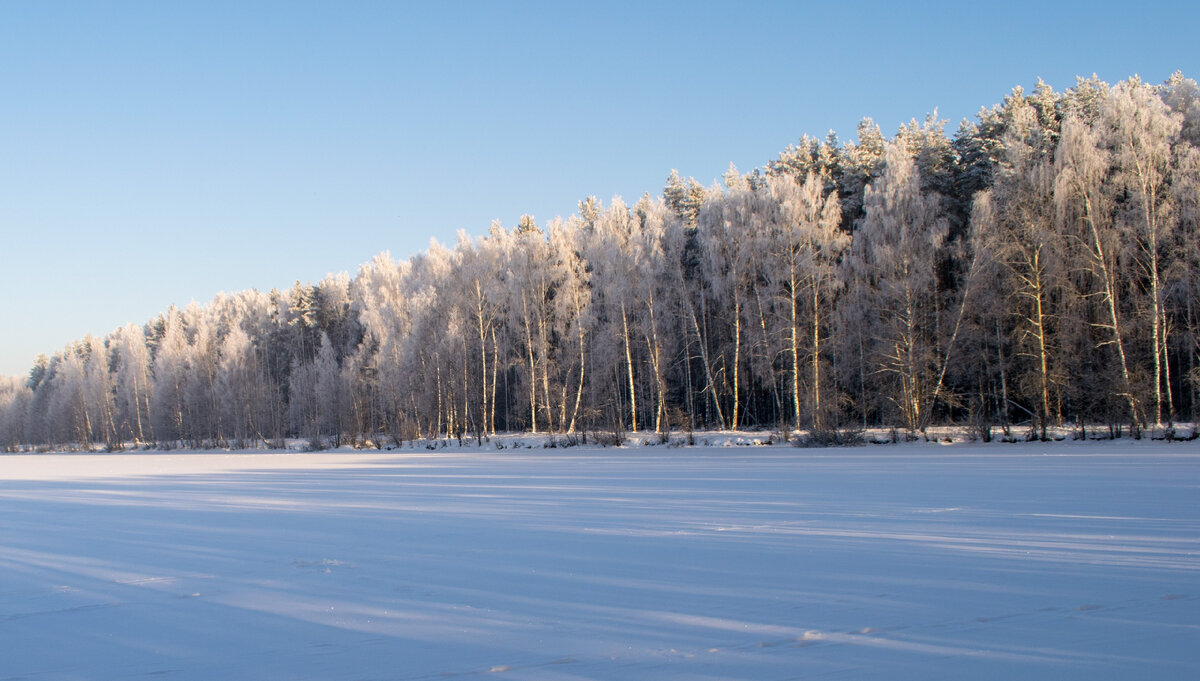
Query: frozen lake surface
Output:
(1031,561)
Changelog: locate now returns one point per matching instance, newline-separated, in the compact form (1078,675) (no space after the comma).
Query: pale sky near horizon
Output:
(154,153)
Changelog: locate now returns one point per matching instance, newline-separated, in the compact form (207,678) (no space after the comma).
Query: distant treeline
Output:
(1041,266)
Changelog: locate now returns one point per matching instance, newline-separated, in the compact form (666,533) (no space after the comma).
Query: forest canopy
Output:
(1039,266)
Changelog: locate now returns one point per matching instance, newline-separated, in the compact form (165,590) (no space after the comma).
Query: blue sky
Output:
(154,153)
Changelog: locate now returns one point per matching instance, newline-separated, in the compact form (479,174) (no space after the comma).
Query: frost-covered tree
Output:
(1013,226)
(801,245)
(239,389)
(1184,289)
(612,252)
(681,273)
(1140,131)
(303,400)
(200,398)
(1085,211)
(684,198)
(330,390)
(862,161)
(1182,95)
(728,235)
(528,286)
(171,372)
(654,299)
(383,311)
(98,394)
(893,270)
(15,399)
(481,278)
(133,385)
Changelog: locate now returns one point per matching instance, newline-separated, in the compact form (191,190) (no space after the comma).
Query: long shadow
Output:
(603,566)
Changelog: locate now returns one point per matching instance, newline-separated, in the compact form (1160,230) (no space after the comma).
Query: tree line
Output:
(1040,266)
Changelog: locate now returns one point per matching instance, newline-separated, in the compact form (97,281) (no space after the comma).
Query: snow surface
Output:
(1031,561)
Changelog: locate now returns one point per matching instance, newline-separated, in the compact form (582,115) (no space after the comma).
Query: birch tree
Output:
(652,298)
(481,269)
(893,263)
(1140,131)
(803,244)
(133,384)
(15,398)
(1084,208)
(97,390)
(1013,224)
(726,232)
(170,379)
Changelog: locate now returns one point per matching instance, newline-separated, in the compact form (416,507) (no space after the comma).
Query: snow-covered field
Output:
(1032,561)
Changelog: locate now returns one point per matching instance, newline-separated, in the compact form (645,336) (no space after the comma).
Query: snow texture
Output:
(1031,561)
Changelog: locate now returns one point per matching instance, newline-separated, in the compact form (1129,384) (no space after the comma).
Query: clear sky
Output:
(154,153)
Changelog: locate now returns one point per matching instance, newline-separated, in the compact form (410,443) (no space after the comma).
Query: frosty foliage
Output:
(1040,266)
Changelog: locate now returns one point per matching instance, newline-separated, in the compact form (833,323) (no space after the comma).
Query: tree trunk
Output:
(816,356)
(532,369)
(495,376)
(482,353)
(737,355)
(712,389)
(655,351)
(795,340)
(629,366)
(1110,295)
